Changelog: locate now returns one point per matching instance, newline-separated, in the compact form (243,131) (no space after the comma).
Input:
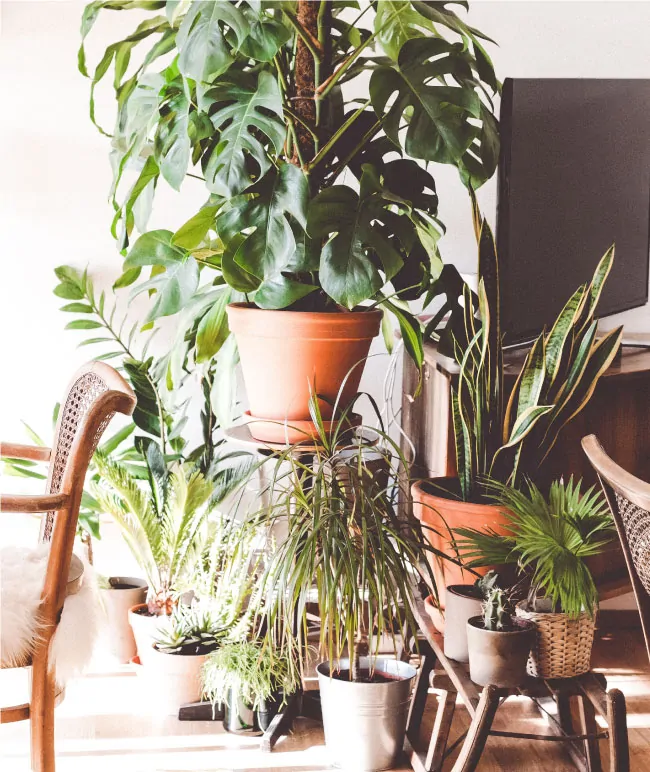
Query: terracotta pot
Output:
(123,593)
(172,680)
(146,628)
(292,432)
(443,515)
(499,657)
(285,354)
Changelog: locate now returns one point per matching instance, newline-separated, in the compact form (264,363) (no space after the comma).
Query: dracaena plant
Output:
(314,200)
(508,436)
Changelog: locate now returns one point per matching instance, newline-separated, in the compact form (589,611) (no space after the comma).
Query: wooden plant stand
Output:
(552,697)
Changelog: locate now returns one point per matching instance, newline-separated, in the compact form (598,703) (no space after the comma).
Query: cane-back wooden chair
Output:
(95,394)
(629,500)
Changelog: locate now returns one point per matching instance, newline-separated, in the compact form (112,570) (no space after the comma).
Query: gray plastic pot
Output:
(463,601)
(499,657)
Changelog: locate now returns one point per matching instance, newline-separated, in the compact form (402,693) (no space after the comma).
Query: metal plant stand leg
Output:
(281,723)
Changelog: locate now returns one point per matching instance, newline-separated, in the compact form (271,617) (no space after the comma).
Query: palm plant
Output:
(249,97)
(550,539)
(347,549)
(163,523)
(506,437)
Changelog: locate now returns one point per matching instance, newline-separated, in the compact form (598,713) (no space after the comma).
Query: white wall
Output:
(54,171)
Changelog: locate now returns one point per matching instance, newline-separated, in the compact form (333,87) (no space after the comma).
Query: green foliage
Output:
(346,548)
(213,95)
(191,630)
(505,441)
(496,616)
(550,539)
(247,668)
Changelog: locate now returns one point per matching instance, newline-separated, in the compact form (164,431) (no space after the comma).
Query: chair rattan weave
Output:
(629,500)
(95,394)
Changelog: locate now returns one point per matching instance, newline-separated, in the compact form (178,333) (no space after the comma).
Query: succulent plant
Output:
(192,630)
(495,610)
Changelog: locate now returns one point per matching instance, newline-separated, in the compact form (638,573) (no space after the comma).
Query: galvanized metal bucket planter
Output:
(365,723)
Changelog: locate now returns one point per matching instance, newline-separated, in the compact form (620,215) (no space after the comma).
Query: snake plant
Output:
(506,436)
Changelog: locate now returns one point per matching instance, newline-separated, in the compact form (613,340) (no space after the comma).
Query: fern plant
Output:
(162,523)
(550,539)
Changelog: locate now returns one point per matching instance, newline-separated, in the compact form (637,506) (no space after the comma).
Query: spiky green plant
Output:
(495,610)
(193,629)
(550,538)
(162,523)
(249,668)
(507,440)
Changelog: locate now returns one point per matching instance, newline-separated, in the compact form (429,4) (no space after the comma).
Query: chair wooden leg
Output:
(619,749)
(479,730)
(42,715)
(588,725)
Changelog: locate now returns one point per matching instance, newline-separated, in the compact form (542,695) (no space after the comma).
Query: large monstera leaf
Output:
(365,239)
(266,35)
(245,108)
(172,144)
(175,274)
(204,51)
(259,228)
(396,22)
(438,114)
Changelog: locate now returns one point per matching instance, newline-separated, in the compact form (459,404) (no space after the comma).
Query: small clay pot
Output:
(499,657)
(463,602)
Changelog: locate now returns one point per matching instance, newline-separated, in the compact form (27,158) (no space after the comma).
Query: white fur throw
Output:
(22,574)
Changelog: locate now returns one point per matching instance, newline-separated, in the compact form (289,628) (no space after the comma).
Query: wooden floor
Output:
(106,723)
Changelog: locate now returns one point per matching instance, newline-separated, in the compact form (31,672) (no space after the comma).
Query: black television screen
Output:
(574,177)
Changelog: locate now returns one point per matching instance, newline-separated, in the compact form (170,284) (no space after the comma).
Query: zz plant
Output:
(313,200)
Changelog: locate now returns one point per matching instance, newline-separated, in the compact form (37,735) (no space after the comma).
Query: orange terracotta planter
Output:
(443,515)
(284,354)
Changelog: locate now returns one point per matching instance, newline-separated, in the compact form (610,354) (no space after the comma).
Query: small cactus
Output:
(495,611)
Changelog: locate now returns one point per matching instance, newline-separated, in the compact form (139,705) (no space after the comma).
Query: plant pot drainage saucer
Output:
(291,432)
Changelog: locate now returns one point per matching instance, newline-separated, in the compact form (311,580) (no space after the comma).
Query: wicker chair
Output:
(629,500)
(95,394)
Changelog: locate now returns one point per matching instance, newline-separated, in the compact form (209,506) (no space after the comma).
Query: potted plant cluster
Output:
(499,643)
(318,220)
(348,552)
(506,436)
(550,539)
(251,681)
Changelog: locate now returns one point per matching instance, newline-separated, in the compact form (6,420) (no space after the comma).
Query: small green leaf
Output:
(192,233)
(68,292)
(213,329)
(78,308)
(83,324)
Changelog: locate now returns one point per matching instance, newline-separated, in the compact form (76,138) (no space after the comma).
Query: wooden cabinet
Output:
(618,414)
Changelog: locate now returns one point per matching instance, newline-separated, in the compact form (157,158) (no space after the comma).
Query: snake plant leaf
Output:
(600,277)
(560,333)
(204,52)
(269,244)
(266,35)
(246,109)
(525,423)
(396,22)
(532,380)
(172,144)
(438,115)
(177,276)
(463,446)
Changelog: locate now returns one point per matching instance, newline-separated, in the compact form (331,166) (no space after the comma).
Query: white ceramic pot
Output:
(124,592)
(172,680)
(146,629)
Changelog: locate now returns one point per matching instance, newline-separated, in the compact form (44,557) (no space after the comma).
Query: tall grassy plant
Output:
(346,549)
(506,437)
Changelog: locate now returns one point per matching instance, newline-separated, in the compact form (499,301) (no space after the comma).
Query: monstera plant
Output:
(319,199)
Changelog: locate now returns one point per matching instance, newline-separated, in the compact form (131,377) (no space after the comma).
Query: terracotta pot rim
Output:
(453,505)
(247,319)
(526,627)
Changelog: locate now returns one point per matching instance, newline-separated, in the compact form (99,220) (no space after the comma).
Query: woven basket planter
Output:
(562,646)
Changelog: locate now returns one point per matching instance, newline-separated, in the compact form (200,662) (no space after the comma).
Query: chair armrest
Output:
(42,503)
(30,452)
